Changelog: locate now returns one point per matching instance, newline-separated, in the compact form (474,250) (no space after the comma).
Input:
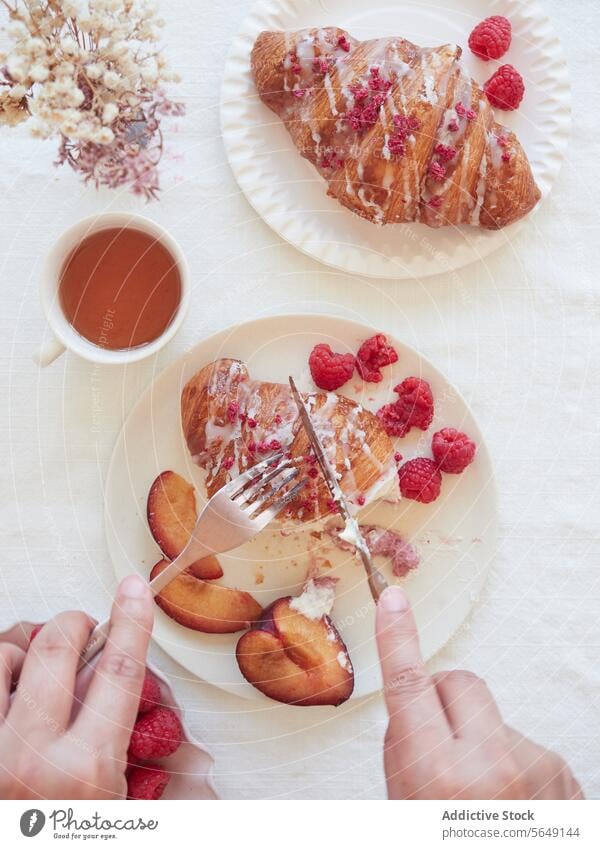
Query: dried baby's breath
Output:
(90,72)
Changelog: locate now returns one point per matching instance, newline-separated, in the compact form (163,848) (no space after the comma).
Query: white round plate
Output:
(290,195)
(455,535)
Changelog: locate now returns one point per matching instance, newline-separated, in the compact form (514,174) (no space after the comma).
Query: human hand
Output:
(446,738)
(53,747)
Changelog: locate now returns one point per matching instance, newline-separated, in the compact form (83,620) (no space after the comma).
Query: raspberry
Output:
(34,632)
(414,408)
(420,480)
(415,401)
(330,371)
(505,88)
(452,450)
(437,172)
(491,38)
(373,354)
(150,696)
(146,782)
(391,419)
(156,734)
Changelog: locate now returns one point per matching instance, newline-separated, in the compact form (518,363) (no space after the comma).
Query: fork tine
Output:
(252,493)
(243,481)
(271,512)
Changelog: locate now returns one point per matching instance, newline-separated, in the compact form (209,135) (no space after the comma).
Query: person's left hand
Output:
(50,746)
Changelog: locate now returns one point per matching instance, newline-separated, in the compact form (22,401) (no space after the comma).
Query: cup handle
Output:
(49,352)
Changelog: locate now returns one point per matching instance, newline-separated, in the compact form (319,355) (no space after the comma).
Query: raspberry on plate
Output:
(414,408)
(156,734)
(452,450)
(491,38)
(150,696)
(420,480)
(146,782)
(505,88)
(372,356)
(330,371)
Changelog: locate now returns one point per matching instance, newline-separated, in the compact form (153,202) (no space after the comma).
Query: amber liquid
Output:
(120,288)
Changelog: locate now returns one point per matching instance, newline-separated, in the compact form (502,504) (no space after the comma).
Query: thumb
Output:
(410,694)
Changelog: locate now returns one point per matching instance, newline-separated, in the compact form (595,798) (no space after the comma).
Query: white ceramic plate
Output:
(291,196)
(455,536)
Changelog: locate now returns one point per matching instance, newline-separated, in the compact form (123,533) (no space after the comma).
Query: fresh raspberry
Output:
(150,693)
(414,408)
(452,450)
(373,354)
(491,38)
(505,88)
(420,480)
(330,371)
(415,401)
(156,734)
(35,631)
(146,782)
(391,418)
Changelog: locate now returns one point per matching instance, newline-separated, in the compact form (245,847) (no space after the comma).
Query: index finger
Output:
(110,706)
(414,707)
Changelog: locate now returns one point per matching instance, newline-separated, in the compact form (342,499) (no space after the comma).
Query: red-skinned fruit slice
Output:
(172,515)
(204,606)
(294,659)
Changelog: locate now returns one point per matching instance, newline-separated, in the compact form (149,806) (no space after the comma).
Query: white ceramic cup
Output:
(64,334)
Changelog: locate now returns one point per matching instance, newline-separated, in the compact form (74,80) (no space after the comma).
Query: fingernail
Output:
(394,600)
(134,586)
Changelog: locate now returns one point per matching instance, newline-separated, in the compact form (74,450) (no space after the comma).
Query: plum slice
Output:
(172,514)
(204,606)
(296,659)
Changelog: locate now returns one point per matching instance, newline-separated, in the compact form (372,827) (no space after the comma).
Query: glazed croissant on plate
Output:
(400,133)
(231,422)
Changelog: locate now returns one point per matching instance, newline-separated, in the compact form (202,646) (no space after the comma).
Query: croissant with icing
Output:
(400,133)
(231,422)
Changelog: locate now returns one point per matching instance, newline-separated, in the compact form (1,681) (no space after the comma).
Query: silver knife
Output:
(351,532)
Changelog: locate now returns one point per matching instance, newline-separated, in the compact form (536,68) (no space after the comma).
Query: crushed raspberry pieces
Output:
(343,43)
(262,447)
(445,152)
(329,370)
(503,141)
(372,356)
(367,101)
(227,463)
(377,82)
(471,114)
(278,420)
(320,65)
(251,423)
(505,89)
(404,126)
(233,411)
(420,480)
(435,201)
(331,159)
(452,450)
(460,110)
(252,447)
(491,38)
(453,126)
(506,156)
(361,500)
(398,457)
(313,472)
(298,92)
(275,445)
(437,172)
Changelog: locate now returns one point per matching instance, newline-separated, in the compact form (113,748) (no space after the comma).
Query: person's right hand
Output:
(52,746)
(446,738)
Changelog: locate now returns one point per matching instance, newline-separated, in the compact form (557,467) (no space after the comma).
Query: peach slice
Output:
(172,515)
(294,659)
(205,606)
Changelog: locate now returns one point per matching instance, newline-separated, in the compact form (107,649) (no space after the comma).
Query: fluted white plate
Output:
(289,194)
(455,535)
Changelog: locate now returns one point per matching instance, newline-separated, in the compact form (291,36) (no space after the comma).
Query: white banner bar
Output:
(305,825)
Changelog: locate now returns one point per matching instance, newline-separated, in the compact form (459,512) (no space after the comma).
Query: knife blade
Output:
(351,533)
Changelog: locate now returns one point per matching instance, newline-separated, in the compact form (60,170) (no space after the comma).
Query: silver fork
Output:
(235,514)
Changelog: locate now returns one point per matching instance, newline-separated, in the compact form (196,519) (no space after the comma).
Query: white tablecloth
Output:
(518,334)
